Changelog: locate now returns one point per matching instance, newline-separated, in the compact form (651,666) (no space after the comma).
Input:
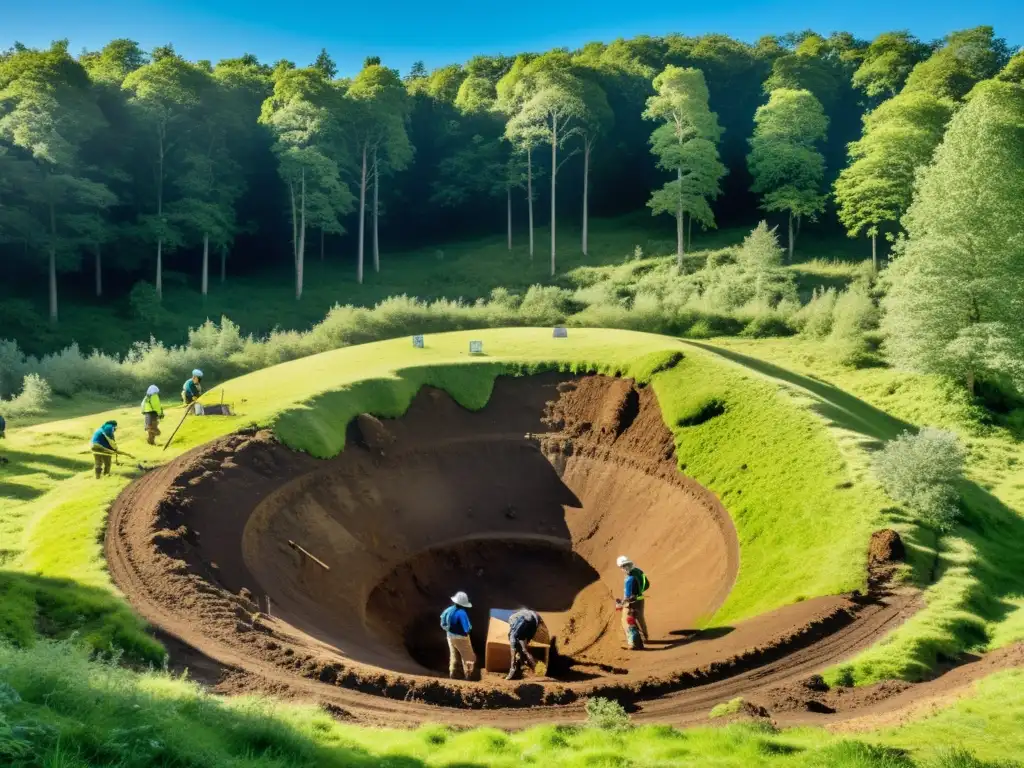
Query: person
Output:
(104,447)
(634,588)
(152,412)
(192,388)
(455,623)
(522,628)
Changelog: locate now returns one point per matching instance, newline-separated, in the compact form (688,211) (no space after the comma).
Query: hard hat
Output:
(198,373)
(623,561)
(153,390)
(462,599)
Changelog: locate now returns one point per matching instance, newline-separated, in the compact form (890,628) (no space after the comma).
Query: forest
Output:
(121,168)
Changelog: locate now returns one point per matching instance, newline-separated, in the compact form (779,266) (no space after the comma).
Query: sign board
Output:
(417,341)
(560,333)
(476,347)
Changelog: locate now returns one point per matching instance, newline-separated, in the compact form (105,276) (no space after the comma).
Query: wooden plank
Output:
(312,557)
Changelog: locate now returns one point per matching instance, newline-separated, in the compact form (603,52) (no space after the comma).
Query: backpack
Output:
(446,618)
(643,583)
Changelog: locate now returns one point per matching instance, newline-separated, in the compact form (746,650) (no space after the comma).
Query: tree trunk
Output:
(529,193)
(160,268)
(362,220)
(295,223)
(586,184)
(223,264)
(790,236)
(874,252)
(376,213)
(689,233)
(99,270)
(160,215)
(554,176)
(206,264)
(508,206)
(680,246)
(799,219)
(300,263)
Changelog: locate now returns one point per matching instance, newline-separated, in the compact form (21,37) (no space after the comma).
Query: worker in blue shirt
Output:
(104,447)
(633,589)
(523,626)
(455,623)
(192,388)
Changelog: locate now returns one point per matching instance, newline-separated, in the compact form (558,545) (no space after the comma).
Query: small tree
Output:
(606,714)
(787,167)
(921,472)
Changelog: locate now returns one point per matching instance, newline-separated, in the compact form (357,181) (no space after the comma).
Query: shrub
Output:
(726,708)
(32,401)
(145,303)
(606,714)
(815,318)
(921,472)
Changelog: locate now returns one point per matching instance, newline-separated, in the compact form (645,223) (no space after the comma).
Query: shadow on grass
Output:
(838,407)
(33,606)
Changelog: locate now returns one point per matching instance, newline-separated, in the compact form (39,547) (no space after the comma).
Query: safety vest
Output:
(151,404)
(642,583)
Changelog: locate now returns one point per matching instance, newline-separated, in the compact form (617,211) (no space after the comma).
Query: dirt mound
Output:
(886,547)
(288,568)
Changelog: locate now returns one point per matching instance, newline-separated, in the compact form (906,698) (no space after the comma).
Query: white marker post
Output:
(560,333)
(476,347)
(417,342)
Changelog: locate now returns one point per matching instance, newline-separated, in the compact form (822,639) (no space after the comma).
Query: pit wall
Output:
(802,518)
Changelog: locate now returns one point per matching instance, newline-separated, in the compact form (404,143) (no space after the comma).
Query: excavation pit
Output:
(527,502)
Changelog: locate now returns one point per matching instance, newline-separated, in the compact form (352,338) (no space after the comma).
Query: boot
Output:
(470,670)
(151,438)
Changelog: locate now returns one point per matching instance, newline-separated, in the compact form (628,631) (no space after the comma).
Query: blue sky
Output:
(439,33)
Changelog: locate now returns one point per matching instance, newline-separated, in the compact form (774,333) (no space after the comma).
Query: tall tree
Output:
(685,144)
(165,95)
(597,120)
(787,167)
(875,190)
(967,57)
(955,299)
(378,131)
(553,112)
(48,110)
(325,65)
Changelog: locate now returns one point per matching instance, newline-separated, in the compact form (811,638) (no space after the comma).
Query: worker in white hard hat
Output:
(633,592)
(152,412)
(455,623)
(192,388)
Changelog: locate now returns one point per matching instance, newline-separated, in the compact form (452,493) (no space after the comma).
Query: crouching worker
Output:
(455,622)
(192,388)
(152,412)
(522,628)
(104,447)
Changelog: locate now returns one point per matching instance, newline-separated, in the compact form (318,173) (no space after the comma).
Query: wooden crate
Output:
(498,653)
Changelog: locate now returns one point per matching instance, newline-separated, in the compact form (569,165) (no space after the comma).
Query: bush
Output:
(145,303)
(606,714)
(921,472)
(35,396)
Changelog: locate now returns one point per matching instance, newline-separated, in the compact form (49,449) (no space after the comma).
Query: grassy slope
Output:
(122,715)
(976,600)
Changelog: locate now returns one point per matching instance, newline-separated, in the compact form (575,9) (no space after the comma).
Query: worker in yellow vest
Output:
(152,412)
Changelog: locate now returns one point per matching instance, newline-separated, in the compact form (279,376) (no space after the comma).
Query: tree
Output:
(377,129)
(164,95)
(49,112)
(955,299)
(597,120)
(524,136)
(784,160)
(552,113)
(1013,72)
(686,144)
(325,65)
(418,71)
(900,136)
(968,57)
(887,62)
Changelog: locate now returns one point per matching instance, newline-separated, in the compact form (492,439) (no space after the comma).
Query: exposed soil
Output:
(324,579)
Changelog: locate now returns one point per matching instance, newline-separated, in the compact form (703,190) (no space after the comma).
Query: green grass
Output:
(974,592)
(803,505)
(726,708)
